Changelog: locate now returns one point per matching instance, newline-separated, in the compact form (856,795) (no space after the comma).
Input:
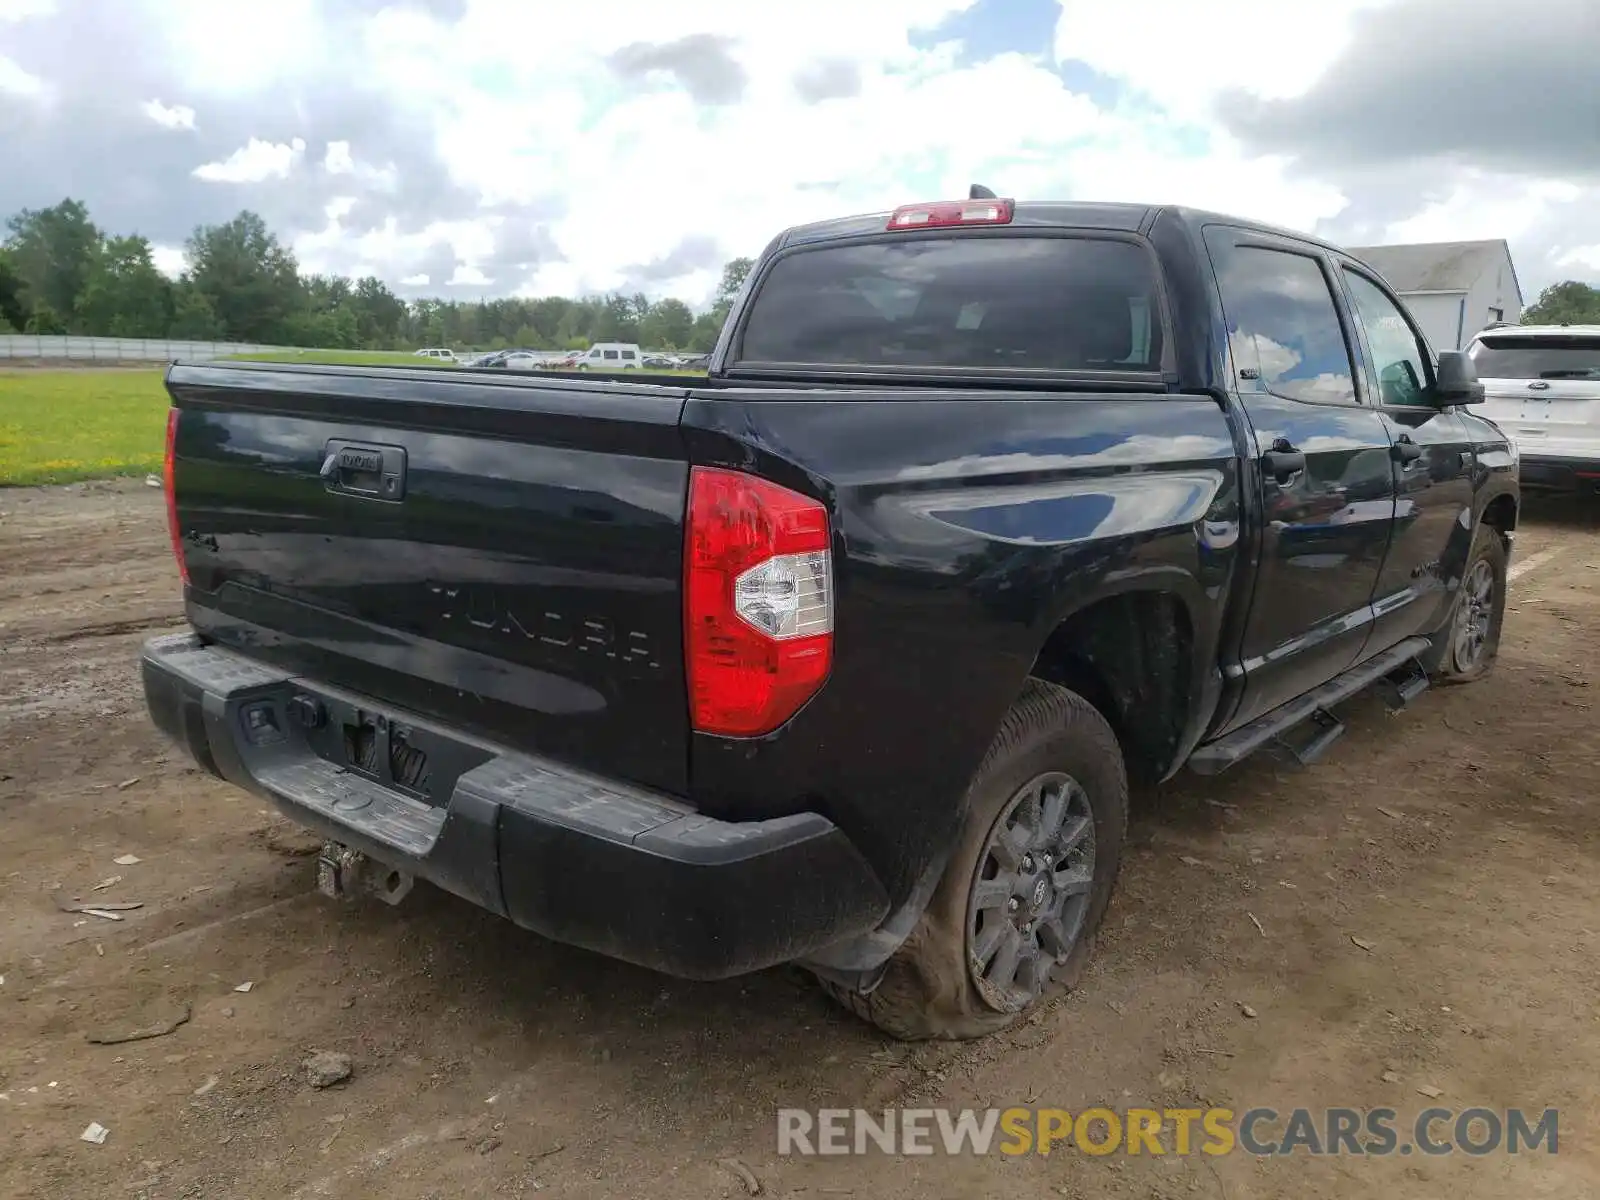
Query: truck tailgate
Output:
(504,553)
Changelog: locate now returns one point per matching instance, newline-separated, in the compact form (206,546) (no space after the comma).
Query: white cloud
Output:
(169,260)
(254,162)
(232,49)
(1484,205)
(337,160)
(467,275)
(15,81)
(1585,258)
(22,10)
(528,116)
(1182,54)
(387,251)
(178,116)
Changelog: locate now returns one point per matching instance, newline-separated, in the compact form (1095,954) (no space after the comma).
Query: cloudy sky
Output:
(483,147)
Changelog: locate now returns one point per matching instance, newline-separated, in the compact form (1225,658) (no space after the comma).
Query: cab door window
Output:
(1398,355)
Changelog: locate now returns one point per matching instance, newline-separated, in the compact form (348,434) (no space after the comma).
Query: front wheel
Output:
(1466,647)
(1014,919)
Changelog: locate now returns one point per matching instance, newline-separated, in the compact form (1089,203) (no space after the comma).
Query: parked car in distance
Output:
(512,360)
(444,355)
(610,356)
(844,654)
(1542,384)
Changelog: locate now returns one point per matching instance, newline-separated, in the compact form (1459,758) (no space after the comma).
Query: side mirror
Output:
(1457,381)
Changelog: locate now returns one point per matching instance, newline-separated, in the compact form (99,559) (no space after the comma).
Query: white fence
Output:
(109,349)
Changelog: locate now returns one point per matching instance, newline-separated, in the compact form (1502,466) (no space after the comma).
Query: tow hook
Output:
(343,873)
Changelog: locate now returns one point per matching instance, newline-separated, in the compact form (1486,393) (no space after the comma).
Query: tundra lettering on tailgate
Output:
(479,608)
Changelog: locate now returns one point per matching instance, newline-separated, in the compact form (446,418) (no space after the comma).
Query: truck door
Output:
(1322,472)
(1432,463)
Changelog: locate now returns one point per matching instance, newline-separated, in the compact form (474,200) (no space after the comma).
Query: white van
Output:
(444,355)
(610,356)
(1542,387)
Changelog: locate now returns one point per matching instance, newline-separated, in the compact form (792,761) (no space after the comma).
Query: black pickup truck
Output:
(844,655)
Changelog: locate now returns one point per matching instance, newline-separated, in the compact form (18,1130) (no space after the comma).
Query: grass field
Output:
(61,426)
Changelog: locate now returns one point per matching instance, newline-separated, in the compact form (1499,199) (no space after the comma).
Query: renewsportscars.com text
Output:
(1377,1132)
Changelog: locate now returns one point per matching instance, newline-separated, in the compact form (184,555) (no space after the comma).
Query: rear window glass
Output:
(1058,304)
(1554,357)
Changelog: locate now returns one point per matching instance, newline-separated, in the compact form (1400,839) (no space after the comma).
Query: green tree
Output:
(252,283)
(707,327)
(1569,303)
(193,318)
(58,273)
(125,295)
(618,320)
(734,273)
(44,320)
(379,314)
(12,309)
(52,251)
(546,314)
(668,325)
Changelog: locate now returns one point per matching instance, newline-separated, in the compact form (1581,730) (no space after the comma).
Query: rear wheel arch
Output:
(1130,652)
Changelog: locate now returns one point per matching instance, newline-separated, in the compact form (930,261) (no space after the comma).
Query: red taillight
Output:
(758,602)
(951,212)
(172,495)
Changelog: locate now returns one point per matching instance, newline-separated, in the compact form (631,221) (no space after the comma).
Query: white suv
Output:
(1542,387)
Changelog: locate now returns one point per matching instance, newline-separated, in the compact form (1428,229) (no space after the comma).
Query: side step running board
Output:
(1326,729)
(1216,757)
(1404,685)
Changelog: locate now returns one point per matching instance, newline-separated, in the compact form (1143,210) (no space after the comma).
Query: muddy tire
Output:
(1466,647)
(1014,919)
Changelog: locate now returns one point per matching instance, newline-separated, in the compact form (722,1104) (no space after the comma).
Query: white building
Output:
(1453,289)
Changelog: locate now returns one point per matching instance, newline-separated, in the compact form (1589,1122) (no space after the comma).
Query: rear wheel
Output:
(1466,647)
(1014,918)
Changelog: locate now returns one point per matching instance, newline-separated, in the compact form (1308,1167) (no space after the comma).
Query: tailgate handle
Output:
(367,471)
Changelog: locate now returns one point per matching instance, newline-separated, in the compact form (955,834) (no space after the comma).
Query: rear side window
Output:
(611,353)
(1033,303)
(1282,324)
(1557,356)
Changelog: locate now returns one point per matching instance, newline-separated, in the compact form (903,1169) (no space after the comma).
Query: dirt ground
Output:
(1456,840)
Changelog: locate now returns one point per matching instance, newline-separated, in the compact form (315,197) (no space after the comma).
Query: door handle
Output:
(365,471)
(1405,451)
(1283,460)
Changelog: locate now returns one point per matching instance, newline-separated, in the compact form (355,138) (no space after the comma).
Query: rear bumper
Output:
(1560,473)
(570,855)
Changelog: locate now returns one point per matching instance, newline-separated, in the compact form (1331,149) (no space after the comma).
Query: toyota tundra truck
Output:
(845,655)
